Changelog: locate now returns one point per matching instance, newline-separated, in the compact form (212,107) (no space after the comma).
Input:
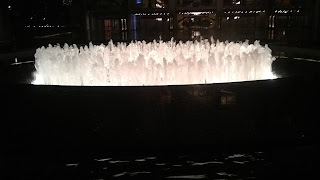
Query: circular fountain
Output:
(157,94)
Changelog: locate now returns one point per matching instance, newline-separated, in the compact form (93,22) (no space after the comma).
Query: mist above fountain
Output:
(155,63)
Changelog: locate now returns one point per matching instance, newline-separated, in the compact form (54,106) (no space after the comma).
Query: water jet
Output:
(153,64)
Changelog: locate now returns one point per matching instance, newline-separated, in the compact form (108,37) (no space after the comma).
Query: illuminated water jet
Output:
(156,63)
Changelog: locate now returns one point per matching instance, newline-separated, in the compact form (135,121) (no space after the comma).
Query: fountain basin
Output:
(248,113)
(260,112)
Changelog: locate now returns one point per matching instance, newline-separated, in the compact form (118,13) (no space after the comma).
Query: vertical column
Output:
(316,21)
(130,14)
(88,25)
(93,27)
(100,28)
(2,37)
(150,4)
(268,6)
(219,13)
(85,23)
(173,17)
(269,24)
(132,19)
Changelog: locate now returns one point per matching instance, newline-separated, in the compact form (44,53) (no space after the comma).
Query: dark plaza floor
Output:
(171,132)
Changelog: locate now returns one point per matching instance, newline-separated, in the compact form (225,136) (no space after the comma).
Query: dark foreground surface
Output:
(262,129)
(271,163)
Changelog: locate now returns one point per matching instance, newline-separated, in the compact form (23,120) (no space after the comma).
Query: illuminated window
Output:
(123,24)
(107,29)
(161,3)
(236,2)
(139,1)
(232,2)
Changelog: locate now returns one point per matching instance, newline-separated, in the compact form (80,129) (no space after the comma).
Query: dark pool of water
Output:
(168,166)
(270,163)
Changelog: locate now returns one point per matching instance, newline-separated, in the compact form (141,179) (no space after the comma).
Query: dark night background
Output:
(30,24)
(264,129)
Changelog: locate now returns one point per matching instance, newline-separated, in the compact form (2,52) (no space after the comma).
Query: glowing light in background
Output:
(156,63)
(236,17)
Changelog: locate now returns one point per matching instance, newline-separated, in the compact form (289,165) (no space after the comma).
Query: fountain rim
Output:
(158,86)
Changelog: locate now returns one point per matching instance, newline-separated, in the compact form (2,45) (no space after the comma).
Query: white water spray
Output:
(156,63)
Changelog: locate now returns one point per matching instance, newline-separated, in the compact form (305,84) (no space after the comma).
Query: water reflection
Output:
(193,166)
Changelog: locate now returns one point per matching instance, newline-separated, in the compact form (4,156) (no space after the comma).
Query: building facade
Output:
(276,20)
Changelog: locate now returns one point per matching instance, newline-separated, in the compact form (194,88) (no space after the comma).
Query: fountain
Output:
(152,64)
(128,96)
